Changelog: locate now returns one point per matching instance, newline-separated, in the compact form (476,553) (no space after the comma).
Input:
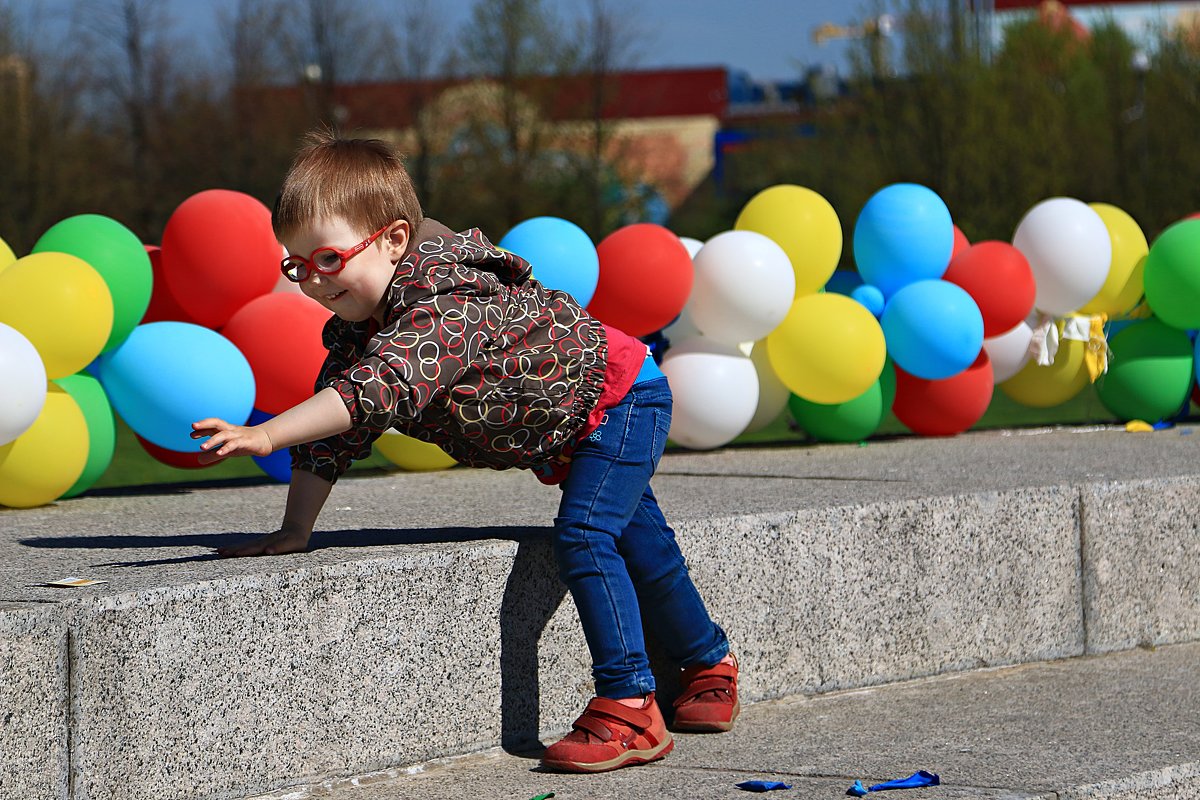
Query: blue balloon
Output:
(562,254)
(843,281)
(167,375)
(1196,360)
(870,298)
(904,234)
(933,329)
(278,465)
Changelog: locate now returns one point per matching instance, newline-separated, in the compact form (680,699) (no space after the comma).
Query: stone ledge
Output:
(195,677)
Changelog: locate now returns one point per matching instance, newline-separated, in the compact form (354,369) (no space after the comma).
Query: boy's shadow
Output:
(532,595)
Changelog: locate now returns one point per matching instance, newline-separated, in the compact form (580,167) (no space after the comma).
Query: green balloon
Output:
(101,427)
(118,255)
(851,421)
(1172,275)
(1150,372)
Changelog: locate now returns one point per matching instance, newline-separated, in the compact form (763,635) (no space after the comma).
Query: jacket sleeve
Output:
(402,369)
(329,458)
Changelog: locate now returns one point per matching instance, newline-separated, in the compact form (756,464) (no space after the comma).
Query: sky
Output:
(769,39)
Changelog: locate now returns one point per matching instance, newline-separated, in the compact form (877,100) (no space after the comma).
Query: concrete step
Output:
(427,621)
(1122,726)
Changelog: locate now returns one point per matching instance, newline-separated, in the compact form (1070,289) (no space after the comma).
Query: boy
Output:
(451,340)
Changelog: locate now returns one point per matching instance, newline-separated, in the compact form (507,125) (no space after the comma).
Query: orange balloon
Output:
(645,278)
(285,365)
(219,253)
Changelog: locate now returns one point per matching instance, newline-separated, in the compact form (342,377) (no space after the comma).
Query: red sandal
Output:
(609,735)
(708,698)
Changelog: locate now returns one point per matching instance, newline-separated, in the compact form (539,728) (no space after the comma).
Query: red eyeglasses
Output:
(325,260)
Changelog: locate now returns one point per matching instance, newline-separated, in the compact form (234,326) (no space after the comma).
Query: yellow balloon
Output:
(7,256)
(1043,387)
(412,454)
(804,224)
(829,348)
(1129,249)
(1127,298)
(61,305)
(40,465)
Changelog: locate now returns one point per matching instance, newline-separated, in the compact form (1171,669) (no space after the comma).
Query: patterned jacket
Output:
(474,355)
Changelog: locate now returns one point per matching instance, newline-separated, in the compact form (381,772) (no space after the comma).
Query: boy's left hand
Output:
(230,440)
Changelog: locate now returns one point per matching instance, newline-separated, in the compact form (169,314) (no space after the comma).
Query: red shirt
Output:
(626,355)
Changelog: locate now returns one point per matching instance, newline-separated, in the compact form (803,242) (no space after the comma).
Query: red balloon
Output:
(163,305)
(280,335)
(960,242)
(173,458)
(944,407)
(219,253)
(645,278)
(999,280)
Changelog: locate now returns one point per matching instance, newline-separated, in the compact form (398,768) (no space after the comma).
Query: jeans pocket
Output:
(662,427)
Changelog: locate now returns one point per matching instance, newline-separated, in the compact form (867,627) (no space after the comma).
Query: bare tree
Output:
(261,136)
(512,42)
(16,79)
(608,38)
(416,56)
(134,67)
(43,136)
(336,43)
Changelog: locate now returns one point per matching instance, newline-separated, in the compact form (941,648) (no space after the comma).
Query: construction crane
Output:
(882,25)
(965,17)
(876,30)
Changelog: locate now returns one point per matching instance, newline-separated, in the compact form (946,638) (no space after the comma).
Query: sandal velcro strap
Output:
(620,712)
(600,710)
(595,727)
(709,683)
(717,670)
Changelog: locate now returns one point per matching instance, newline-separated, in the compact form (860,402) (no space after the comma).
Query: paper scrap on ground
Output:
(72,582)
(917,780)
(762,786)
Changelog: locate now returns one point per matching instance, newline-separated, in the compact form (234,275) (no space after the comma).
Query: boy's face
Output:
(357,291)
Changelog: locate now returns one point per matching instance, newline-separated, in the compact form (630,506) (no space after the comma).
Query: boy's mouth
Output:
(329,298)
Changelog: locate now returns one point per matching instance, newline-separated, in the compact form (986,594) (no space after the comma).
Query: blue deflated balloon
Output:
(278,465)
(562,254)
(167,375)
(870,298)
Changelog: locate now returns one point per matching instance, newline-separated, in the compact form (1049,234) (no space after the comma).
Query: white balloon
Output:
(715,389)
(681,327)
(772,394)
(22,384)
(1009,352)
(1068,249)
(744,287)
(693,245)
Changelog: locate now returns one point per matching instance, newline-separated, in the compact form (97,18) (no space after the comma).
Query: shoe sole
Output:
(627,759)
(706,726)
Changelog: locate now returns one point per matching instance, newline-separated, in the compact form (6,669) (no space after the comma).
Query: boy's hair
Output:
(362,181)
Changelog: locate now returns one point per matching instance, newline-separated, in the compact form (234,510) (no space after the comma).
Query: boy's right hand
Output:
(273,544)
(225,440)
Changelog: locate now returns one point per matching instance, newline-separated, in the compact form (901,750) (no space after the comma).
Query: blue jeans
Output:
(619,557)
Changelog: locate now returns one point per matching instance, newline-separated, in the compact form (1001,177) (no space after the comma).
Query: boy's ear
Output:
(397,238)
